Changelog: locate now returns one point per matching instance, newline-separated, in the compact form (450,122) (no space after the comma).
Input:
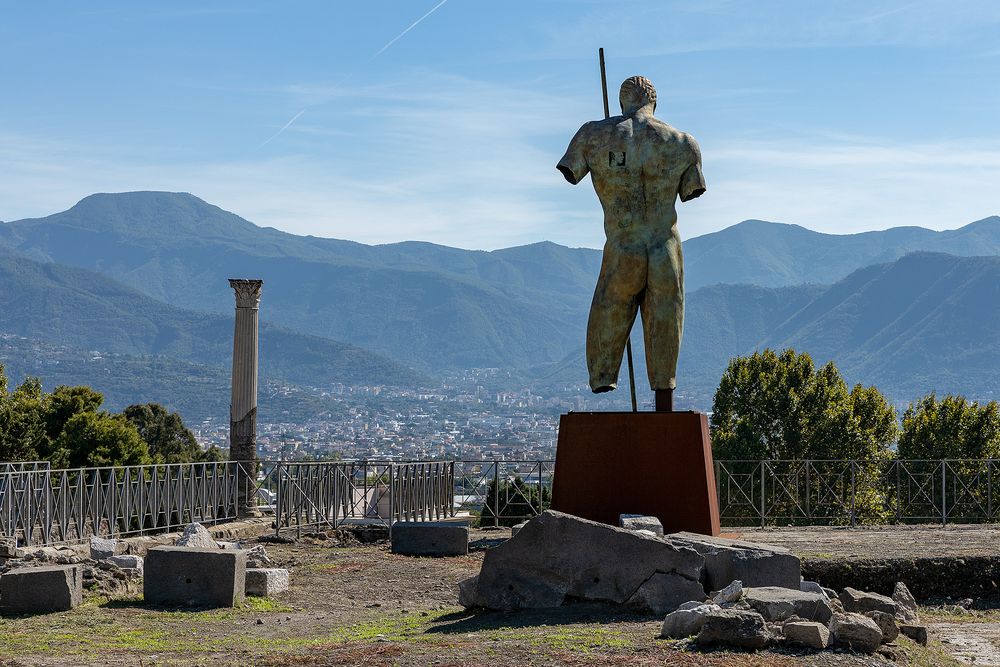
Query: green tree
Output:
(781,408)
(168,439)
(512,502)
(950,428)
(771,406)
(100,439)
(22,420)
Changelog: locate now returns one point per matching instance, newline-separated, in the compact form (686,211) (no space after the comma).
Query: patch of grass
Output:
(254,603)
(932,655)
(955,614)
(581,639)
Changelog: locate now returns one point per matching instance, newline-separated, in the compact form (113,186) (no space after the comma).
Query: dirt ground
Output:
(878,541)
(354,604)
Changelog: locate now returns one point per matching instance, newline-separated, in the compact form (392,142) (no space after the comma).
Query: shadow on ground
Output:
(474,621)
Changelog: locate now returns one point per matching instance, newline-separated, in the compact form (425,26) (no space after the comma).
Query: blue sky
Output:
(838,116)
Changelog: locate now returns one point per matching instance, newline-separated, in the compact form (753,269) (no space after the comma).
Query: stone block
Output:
(734,627)
(686,621)
(730,594)
(641,522)
(856,632)
(265,582)
(516,528)
(807,633)
(191,577)
(753,564)
(197,536)
(886,623)
(430,538)
(103,548)
(906,605)
(777,604)
(663,593)
(8,548)
(862,602)
(917,633)
(813,587)
(41,590)
(558,557)
(130,563)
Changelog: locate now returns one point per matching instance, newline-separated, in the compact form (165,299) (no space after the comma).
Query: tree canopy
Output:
(780,406)
(950,428)
(168,439)
(66,428)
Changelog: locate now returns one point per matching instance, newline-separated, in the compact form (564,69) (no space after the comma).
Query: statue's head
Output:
(636,92)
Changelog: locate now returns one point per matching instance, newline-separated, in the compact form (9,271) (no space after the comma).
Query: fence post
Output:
(989,491)
(496,493)
(944,493)
(854,493)
(392,496)
(762,493)
(899,492)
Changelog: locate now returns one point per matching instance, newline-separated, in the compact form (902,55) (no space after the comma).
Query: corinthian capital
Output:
(247,292)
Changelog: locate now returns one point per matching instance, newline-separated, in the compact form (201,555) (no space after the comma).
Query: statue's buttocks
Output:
(639,165)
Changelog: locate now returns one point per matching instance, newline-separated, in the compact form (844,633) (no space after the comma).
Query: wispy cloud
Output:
(465,162)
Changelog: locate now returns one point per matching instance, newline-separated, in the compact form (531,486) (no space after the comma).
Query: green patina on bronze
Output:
(639,165)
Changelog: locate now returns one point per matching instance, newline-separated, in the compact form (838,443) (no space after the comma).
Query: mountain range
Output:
(144,273)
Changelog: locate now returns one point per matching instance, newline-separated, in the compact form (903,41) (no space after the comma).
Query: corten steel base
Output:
(654,463)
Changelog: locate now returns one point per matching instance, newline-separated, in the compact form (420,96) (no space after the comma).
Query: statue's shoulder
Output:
(679,138)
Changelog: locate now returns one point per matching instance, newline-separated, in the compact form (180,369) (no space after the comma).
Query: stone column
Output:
(243,408)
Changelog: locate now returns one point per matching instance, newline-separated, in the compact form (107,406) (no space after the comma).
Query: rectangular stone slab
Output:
(655,463)
(430,538)
(189,577)
(41,590)
(265,582)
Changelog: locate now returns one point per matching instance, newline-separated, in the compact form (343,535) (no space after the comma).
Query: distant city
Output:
(465,418)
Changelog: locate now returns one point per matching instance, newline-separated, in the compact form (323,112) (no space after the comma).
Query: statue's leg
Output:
(616,301)
(663,313)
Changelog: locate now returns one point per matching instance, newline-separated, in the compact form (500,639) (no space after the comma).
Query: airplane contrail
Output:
(411,27)
(377,54)
(283,128)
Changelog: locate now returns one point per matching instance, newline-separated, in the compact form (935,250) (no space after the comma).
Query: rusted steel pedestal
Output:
(654,463)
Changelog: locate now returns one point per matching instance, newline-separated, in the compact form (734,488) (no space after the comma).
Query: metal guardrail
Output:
(58,506)
(325,495)
(23,466)
(503,493)
(852,492)
(42,506)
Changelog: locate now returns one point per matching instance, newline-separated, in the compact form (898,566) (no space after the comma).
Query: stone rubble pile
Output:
(758,617)
(712,590)
(109,571)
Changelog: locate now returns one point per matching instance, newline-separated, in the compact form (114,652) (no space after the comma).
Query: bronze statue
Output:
(639,165)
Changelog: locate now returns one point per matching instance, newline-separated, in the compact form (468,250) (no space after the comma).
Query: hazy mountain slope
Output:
(774,255)
(436,307)
(424,304)
(197,391)
(80,308)
(925,322)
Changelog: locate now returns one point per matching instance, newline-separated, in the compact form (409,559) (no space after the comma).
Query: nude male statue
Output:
(639,165)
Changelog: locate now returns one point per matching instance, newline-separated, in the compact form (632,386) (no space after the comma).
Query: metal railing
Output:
(852,492)
(23,466)
(325,495)
(503,493)
(43,506)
